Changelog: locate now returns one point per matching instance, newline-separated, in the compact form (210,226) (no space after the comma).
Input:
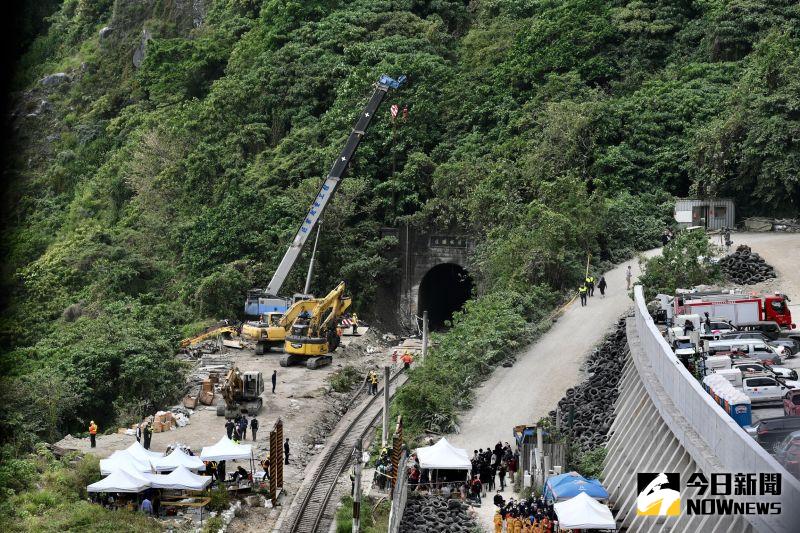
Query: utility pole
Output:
(424,334)
(311,263)
(357,490)
(385,433)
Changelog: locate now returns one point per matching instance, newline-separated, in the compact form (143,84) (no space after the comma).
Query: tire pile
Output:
(592,402)
(434,514)
(745,267)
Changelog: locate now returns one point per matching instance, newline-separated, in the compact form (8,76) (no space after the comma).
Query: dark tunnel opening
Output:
(443,291)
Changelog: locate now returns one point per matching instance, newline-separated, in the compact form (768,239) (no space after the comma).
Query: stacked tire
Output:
(434,514)
(590,405)
(745,267)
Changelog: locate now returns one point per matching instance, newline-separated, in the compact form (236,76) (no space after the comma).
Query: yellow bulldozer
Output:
(271,329)
(314,333)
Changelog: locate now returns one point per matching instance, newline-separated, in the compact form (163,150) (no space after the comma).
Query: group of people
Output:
(586,288)
(531,515)
(489,465)
(384,470)
(236,428)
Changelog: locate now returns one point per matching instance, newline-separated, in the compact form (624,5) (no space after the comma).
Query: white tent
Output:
(181,478)
(178,458)
(225,450)
(138,451)
(584,512)
(443,455)
(120,481)
(123,459)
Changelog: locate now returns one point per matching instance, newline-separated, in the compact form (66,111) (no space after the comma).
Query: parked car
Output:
(792,346)
(791,403)
(787,453)
(770,431)
(750,348)
(769,328)
(764,389)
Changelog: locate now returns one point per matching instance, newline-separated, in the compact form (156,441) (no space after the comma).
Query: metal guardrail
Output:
(733,449)
(400,496)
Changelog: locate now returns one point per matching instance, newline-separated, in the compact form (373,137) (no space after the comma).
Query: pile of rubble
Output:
(587,411)
(772,224)
(434,514)
(745,267)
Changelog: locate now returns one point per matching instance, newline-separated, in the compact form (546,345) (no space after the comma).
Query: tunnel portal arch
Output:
(443,290)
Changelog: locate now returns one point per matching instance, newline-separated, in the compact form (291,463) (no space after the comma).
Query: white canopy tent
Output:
(178,458)
(121,480)
(123,459)
(443,455)
(225,450)
(138,451)
(182,479)
(584,512)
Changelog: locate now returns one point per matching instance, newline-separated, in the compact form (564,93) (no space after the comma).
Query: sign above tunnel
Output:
(448,241)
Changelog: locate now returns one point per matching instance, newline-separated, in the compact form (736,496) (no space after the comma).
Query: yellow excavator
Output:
(224,330)
(314,334)
(271,328)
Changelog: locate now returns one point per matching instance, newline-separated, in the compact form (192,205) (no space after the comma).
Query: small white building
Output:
(715,213)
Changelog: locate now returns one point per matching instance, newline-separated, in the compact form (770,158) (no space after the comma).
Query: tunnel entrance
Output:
(443,291)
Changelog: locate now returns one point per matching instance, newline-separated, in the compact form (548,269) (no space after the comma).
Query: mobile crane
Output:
(261,302)
(314,335)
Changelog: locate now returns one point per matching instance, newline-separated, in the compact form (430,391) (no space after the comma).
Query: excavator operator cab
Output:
(252,385)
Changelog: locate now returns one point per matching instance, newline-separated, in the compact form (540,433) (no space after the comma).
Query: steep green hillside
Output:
(145,195)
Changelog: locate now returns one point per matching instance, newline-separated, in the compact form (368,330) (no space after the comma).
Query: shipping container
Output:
(711,214)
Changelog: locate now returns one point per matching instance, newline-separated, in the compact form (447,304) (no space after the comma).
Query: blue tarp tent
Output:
(565,486)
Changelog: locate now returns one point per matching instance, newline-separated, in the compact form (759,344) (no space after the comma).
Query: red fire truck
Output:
(736,308)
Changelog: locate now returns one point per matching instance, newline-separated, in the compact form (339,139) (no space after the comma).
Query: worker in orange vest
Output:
(498,522)
(93,433)
(407,360)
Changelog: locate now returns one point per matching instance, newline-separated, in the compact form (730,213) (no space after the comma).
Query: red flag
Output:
(394,109)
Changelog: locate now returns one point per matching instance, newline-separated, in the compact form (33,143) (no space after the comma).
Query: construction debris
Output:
(772,224)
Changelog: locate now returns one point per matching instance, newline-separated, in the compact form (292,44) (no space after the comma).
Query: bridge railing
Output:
(732,447)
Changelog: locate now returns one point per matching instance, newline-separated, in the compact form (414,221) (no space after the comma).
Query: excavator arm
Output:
(294,311)
(324,309)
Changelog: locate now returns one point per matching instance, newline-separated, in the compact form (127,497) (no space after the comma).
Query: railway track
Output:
(308,511)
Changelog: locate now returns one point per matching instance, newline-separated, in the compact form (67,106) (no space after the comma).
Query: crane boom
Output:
(331,182)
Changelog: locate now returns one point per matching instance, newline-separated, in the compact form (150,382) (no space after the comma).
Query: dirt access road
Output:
(525,392)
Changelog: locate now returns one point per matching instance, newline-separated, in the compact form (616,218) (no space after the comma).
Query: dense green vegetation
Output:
(42,493)
(684,262)
(141,199)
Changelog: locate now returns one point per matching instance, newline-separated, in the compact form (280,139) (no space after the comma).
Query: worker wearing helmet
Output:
(93,434)
(582,292)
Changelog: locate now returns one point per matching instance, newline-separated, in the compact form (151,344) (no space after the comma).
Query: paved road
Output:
(526,392)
